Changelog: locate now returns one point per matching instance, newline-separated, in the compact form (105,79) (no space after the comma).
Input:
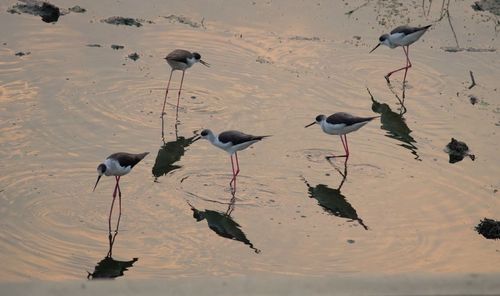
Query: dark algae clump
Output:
(126,21)
(457,150)
(47,11)
(489,228)
(117,47)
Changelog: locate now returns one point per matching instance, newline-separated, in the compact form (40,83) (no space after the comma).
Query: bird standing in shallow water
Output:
(180,59)
(341,123)
(231,142)
(402,36)
(118,164)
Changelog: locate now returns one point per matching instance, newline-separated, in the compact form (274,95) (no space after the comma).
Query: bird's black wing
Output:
(179,55)
(237,137)
(128,159)
(407,30)
(346,118)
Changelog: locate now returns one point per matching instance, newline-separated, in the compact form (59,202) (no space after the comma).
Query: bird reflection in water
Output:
(222,223)
(395,125)
(333,201)
(169,154)
(109,268)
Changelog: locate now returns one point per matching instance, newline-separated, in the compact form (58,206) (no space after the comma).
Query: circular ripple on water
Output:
(43,223)
(214,188)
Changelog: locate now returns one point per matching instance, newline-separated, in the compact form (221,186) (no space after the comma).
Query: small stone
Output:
(20,53)
(77,9)
(133,56)
(473,100)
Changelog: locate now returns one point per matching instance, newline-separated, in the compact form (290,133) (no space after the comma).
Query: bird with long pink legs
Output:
(402,36)
(117,165)
(231,142)
(341,124)
(181,60)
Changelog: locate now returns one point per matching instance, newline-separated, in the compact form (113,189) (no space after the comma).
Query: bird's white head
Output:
(207,134)
(197,58)
(318,120)
(101,169)
(385,40)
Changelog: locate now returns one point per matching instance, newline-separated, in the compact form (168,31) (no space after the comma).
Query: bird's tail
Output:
(372,118)
(142,155)
(261,137)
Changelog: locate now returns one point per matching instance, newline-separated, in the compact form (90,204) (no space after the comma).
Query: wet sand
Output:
(275,66)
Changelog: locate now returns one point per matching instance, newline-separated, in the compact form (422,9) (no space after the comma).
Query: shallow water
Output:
(401,208)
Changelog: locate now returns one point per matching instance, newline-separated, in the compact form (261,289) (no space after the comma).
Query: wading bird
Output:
(182,60)
(341,123)
(231,142)
(118,164)
(402,36)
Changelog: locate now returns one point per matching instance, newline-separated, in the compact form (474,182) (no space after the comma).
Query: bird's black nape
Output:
(101,168)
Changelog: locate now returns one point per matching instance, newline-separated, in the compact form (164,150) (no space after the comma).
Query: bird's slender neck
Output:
(212,138)
(388,42)
(191,61)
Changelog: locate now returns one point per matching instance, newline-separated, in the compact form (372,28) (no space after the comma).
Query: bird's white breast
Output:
(113,168)
(176,65)
(341,128)
(229,148)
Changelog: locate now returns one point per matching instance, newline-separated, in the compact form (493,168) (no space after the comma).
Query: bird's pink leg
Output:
(346,147)
(408,65)
(233,180)
(237,164)
(120,206)
(397,70)
(166,93)
(163,109)
(112,204)
(237,172)
(344,144)
(179,97)
(110,213)
(118,185)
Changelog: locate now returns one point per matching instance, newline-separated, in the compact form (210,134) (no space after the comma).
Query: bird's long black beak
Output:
(98,178)
(375,47)
(196,139)
(313,123)
(204,63)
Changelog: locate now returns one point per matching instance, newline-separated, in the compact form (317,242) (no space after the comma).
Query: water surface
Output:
(275,66)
